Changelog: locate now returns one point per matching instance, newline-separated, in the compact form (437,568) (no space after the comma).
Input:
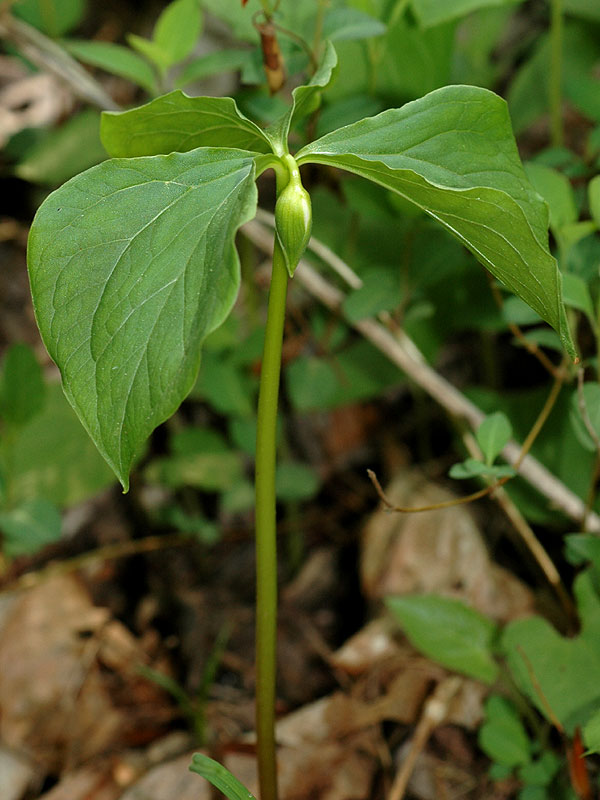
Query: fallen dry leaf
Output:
(87,783)
(439,551)
(69,689)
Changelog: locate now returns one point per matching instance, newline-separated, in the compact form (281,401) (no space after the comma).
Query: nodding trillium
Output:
(293,217)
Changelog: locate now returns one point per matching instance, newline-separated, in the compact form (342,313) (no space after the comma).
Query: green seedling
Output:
(133,262)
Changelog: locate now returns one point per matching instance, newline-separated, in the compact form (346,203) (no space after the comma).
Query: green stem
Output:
(266,542)
(556,47)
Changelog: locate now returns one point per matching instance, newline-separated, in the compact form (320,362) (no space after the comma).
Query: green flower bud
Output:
(293,220)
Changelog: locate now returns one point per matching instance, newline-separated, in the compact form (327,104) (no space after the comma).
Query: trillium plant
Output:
(133,263)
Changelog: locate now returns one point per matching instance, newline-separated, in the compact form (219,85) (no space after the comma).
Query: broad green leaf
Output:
(452,153)
(213,64)
(131,265)
(220,777)
(29,527)
(591,402)
(434,12)
(503,737)
(114,58)
(346,22)
(493,433)
(554,671)
(52,457)
(177,122)
(22,389)
(177,30)
(59,154)
(449,632)
(557,191)
(53,17)
(305,100)
(591,733)
(594,199)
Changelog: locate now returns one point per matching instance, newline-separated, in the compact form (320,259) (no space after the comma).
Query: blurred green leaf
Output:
(591,733)
(295,482)
(493,434)
(588,9)
(29,527)
(380,292)
(557,672)
(177,30)
(448,631)
(346,22)
(577,295)
(22,389)
(212,472)
(311,383)
(60,155)
(213,64)
(594,198)
(542,771)
(115,59)
(591,401)
(53,458)
(556,190)
(434,12)
(503,737)
(582,547)
(226,387)
(53,17)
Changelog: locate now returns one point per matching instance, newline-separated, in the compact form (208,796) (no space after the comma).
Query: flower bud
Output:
(293,221)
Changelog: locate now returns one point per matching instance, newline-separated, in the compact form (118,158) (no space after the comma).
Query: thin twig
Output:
(434,713)
(559,379)
(516,331)
(50,57)
(527,536)
(456,501)
(403,352)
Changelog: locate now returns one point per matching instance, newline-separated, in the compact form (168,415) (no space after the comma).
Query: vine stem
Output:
(266,540)
(556,48)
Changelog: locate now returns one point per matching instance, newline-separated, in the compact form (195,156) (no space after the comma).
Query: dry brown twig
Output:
(435,711)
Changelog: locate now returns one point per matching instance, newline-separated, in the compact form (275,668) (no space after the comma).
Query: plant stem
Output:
(266,543)
(556,46)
